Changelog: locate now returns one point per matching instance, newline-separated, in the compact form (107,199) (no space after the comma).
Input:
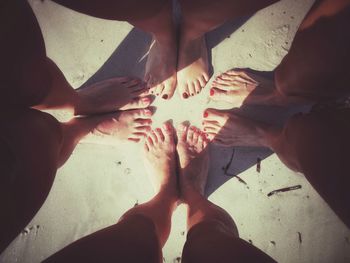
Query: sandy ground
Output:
(104,178)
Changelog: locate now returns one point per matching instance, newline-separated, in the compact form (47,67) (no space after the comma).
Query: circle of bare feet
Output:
(187,138)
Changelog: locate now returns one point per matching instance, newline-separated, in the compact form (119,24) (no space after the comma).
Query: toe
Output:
(168,132)
(154,137)
(202,81)
(241,75)
(190,132)
(211,129)
(210,136)
(134,139)
(219,94)
(196,134)
(184,92)
(143,129)
(222,81)
(215,115)
(197,86)
(191,88)
(206,77)
(159,89)
(142,113)
(138,103)
(169,89)
(149,141)
(202,140)
(160,135)
(143,122)
(181,132)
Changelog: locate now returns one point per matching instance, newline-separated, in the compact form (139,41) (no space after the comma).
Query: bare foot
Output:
(194,160)
(160,159)
(234,86)
(132,125)
(193,67)
(160,71)
(111,95)
(226,128)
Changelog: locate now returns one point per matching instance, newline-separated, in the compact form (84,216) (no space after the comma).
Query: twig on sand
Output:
(227,167)
(300,239)
(258,165)
(286,189)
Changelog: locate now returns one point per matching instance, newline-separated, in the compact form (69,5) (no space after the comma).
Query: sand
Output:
(104,178)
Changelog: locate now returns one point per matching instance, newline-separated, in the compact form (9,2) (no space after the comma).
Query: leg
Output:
(29,78)
(322,68)
(153,16)
(198,19)
(144,229)
(213,236)
(315,144)
(26,177)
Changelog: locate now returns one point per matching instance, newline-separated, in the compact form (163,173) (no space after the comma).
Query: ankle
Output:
(268,134)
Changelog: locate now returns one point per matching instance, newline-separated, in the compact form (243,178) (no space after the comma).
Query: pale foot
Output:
(114,94)
(226,128)
(160,73)
(160,159)
(194,161)
(235,87)
(193,67)
(132,125)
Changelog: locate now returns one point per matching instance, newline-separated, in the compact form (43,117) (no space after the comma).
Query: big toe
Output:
(169,89)
(184,90)
(215,115)
(139,103)
(220,94)
(181,132)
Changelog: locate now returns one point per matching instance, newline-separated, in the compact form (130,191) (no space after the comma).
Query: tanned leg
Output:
(154,17)
(200,17)
(213,236)
(143,230)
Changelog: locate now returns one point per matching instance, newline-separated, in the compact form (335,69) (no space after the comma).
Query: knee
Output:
(29,129)
(139,233)
(285,85)
(213,238)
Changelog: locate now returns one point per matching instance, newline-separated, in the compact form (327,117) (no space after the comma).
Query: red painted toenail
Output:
(212,92)
(185,95)
(165,96)
(205,114)
(148,112)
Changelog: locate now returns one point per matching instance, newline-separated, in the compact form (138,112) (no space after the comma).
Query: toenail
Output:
(157,94)
(146,100)
(212,92)
(148,112)
(158,129)
(185,95)
(205,114)
(165,96)
(197,92)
